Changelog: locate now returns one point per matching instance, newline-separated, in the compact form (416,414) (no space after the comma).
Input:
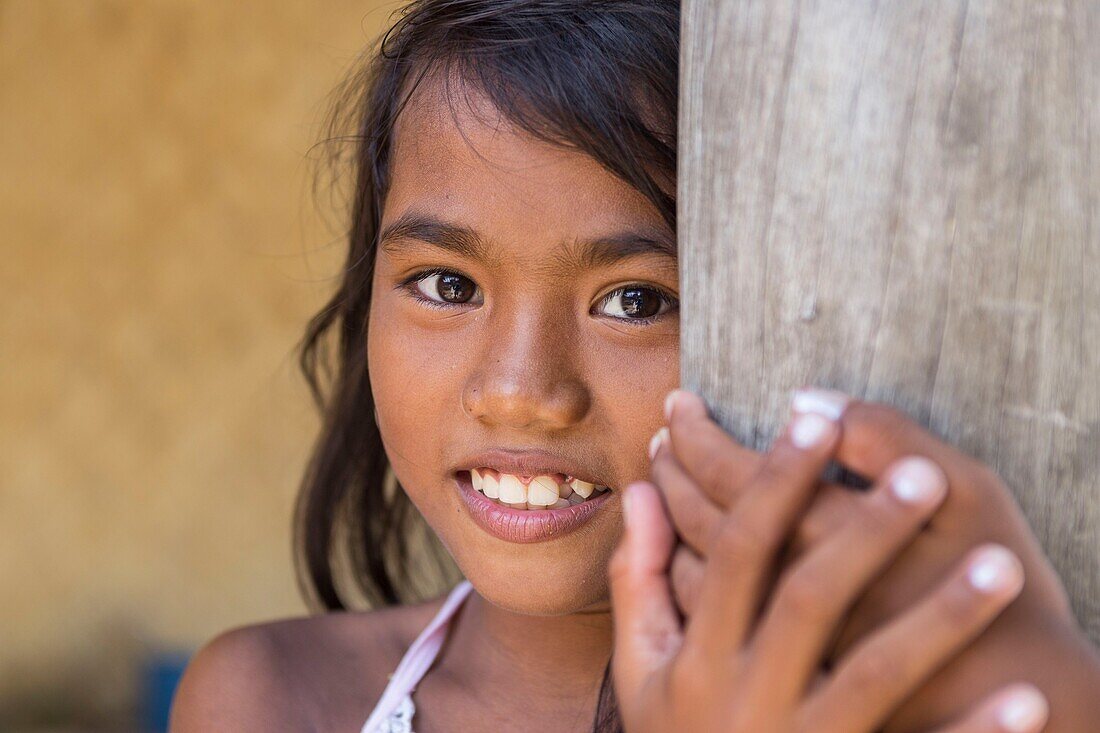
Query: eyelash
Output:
(409,286)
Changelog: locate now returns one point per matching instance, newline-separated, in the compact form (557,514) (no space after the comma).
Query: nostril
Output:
(537,400)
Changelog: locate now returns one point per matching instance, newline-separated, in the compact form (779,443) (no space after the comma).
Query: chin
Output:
(544,594)
(540,579)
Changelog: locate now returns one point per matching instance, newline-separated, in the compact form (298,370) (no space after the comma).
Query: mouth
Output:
(533,493)
(528,498)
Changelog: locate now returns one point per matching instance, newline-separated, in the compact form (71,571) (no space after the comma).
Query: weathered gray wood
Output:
(902,200)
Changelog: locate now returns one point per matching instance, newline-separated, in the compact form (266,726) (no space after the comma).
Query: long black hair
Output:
(596,76)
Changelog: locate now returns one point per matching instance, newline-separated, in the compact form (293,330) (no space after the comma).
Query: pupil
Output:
(455,288)
(640,303)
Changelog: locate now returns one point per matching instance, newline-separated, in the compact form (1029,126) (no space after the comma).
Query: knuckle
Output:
(691,519)
(741,540)
(778,470)
(711,469)
(780,466)
(880,520)
(832,509)
(770,471)
(985,475)
(889,427)
(984,482)
(870,669)
(976,489)
(894,434)
(890,415)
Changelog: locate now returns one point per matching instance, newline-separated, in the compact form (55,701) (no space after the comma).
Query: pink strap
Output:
(418,659)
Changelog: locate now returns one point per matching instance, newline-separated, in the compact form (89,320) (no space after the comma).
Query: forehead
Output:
(457,157)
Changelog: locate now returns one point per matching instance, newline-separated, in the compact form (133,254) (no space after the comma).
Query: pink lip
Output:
(525,525)
(528,463)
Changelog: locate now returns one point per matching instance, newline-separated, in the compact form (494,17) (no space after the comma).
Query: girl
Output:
(506,333)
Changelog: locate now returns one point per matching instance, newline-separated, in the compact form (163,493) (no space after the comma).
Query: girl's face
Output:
(523,327)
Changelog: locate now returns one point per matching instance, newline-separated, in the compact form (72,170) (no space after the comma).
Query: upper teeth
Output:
(582,487)
(542,491)
(511,490)
(538,492)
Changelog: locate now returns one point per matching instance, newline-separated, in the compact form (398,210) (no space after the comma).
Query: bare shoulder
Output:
(311,673)
(235,682)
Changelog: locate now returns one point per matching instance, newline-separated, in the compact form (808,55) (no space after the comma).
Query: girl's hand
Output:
(703,472)
(749,660)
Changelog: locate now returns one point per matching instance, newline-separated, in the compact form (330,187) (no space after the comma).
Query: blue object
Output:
(160,675)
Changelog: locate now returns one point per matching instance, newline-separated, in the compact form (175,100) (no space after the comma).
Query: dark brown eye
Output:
(455,288)
(447,287)
(635,303)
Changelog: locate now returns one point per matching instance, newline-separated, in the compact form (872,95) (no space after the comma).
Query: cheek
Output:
(640,378)
(415,394)
(632,385)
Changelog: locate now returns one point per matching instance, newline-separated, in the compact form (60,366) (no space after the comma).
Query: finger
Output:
(719,464)
(747,541)
(813,596)
(1019,708)
(647,628)
(687,578)
(877,435)
(720,467)
(886,668)
(693,514)
(833,507)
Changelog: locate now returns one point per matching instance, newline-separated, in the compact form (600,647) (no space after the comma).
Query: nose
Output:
(528,377)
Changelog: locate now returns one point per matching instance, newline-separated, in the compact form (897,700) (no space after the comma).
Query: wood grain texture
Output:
(902,201)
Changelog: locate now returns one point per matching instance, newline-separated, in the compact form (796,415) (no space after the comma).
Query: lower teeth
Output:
(559,504)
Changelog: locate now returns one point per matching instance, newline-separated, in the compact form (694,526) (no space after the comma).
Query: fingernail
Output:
(670,403)
(917,480)
(825,402)
(655,442)
(809,430)
(683,400)
(1025,710)
(995,570)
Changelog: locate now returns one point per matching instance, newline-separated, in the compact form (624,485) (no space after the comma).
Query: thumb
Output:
(648,631)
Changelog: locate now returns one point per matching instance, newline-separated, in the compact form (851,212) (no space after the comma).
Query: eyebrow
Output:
(412,226)
(608,250)
(601,251)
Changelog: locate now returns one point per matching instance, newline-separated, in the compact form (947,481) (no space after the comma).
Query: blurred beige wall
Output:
(161,255)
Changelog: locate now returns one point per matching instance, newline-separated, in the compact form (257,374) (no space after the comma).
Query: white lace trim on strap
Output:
(395,708)
(400,720)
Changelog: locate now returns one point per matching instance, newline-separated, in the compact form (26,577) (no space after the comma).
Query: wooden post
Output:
(902,200)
